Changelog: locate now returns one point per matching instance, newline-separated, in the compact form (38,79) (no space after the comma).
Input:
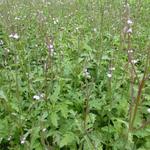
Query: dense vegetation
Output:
(74,75)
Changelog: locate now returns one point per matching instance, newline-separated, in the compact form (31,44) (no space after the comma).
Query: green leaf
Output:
(87,47)
(105,57)
(2,95)
(54,119)
(54,96)
(64,110)
(67,139)
(3,128)
(34,136)
(39,79)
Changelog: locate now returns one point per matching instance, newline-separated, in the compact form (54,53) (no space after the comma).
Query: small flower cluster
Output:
(134,61)
(55,21)
(128,22)
(23,140)
(86,74)
(9,138)
(109,74)
(7,50)
(50,46)
(14,36)
(130,51)
(128,28)
(1,42)
(38,96)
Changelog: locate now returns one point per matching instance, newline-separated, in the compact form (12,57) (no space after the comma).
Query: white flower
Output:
(42,95)
(44,129)
(94,29)
(14,36)
(129,30)
(9,138)
(52,52)
(109,75)
(112,68)
(1,42)
(17,18)
(50,46)
(86,74)
(23,140)
(130,51)
(148,110)
(134,61)
(55,20)
(7,50)
(39,96)
(36,97)
(129,22)
(77,28)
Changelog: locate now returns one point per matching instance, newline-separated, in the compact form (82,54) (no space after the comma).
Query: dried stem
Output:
(138,98)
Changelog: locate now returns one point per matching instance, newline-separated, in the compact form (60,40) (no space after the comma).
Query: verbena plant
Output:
(74,75)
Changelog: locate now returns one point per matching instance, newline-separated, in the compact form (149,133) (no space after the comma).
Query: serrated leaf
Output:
(95,104)
(64,110)
(34,136)
(54,119)
(67,139)
(121,121)
(56,93)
